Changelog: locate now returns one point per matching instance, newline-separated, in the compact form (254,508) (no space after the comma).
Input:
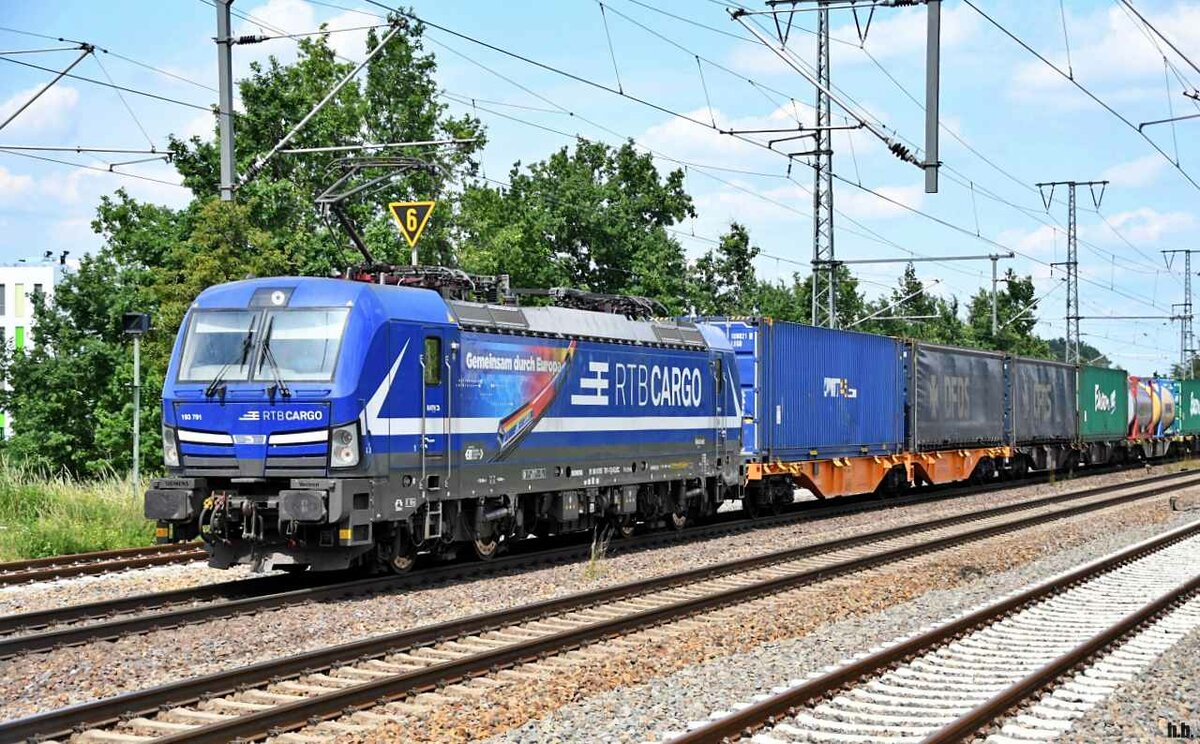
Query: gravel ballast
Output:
(46,595)
(1166,693)
(32,597)
(46,681)
(658,681)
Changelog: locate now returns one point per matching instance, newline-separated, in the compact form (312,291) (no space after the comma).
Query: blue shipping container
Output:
(813,393)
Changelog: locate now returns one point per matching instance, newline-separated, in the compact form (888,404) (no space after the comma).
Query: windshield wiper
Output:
(269,356)
(218,382)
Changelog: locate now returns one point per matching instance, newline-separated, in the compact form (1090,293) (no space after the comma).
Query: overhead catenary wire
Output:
(84,51)
(98,169)
(962,180)
(663,109)
(79,149)
(146,94)
(121,96)
(641,101)
(1160,35)
(1085,90)
(109,52)
(870,234)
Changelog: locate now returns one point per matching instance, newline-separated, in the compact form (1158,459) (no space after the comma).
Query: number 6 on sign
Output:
(411,218)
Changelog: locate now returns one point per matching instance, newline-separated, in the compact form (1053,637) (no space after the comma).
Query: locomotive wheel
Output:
(624,526)
(485,550)
(402,563)
(404,554)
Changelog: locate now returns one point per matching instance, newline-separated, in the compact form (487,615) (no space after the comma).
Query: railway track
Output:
(288,693)
(1082,633)
(104,561)
(84,623)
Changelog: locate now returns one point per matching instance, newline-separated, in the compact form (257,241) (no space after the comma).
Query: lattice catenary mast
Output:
(1072,262)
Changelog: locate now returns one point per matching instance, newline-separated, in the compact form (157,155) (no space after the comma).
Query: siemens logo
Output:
(272,414)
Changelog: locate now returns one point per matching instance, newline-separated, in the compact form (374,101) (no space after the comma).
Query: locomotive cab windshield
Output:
(289,344)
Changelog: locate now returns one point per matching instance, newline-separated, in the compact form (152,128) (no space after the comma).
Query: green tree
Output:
(1016,317)
(69,396)
(1088,354)
(849,304)
(594,218)
(723,281)
(918,312)
(396,102)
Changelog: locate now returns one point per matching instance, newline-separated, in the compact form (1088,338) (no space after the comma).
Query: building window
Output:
(19,337)
(19,300)
(37,289)
(2,299)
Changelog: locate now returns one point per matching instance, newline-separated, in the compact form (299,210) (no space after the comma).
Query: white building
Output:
(18,283)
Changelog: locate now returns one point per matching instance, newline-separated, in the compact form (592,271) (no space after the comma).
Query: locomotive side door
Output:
(436,369)
(717,363)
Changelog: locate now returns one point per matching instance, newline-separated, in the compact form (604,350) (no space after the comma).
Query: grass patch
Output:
(43,516)
(596,567)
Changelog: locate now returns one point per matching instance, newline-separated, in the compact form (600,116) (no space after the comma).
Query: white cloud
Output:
(901,34)
(295,17)
(1136,173)
(893,34)
(861,205)
(1108,46)
(1148,225)
(14,186)
(202,125)
(73,234)
(82,188)
(1042,242)
(687,140)
(50,113)
(1141,226)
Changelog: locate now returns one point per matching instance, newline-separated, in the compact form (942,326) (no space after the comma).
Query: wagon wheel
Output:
(751,504)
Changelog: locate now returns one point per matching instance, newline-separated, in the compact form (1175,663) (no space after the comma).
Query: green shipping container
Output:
(1188,410)
(1103,403)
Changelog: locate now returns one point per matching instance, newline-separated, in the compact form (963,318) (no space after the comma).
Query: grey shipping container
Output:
(813,393)
(1043,401)
(957,397)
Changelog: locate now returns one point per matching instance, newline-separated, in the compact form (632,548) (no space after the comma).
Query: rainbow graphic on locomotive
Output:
(328,423)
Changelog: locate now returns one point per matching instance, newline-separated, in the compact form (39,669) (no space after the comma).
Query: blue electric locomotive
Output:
(328,423)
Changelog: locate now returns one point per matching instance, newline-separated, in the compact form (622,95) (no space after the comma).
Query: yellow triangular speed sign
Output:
(411,217)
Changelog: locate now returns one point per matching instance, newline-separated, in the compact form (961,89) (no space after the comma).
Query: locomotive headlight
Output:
(344,441)
(170,448)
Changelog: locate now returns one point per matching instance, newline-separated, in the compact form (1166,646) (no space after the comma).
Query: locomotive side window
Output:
(433,360)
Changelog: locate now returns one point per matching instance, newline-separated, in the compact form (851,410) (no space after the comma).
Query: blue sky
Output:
(1009,108)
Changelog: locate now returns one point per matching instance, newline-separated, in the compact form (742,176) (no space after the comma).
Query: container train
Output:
(324,423)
